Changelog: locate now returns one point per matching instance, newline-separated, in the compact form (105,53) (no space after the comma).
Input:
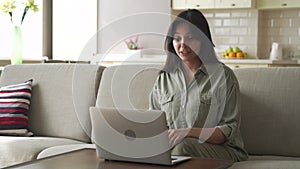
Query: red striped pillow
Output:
(14,106)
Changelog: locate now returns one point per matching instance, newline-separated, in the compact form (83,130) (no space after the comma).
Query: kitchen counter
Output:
(243,63)
(116,59)
(258,61)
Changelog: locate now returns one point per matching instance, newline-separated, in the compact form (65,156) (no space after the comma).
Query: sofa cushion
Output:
(15,150)
(270,110)
(56,150)
(62,95)
(127,86)
(14,105)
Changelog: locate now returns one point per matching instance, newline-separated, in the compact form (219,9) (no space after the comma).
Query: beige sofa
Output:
(270,109)
(59,115)
(269,97)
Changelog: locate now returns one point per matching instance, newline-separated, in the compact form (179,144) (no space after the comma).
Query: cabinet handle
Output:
(284,4)
(198,6)
(232,4)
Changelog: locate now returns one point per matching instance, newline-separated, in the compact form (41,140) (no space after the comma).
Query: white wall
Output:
(119,19)
(74,24)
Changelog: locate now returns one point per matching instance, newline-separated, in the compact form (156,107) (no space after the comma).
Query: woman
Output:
(198,94)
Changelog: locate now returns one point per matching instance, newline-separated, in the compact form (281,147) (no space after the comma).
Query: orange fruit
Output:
(239,54)
(232,55)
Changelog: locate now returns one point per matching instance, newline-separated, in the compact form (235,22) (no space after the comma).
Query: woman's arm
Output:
(210,135)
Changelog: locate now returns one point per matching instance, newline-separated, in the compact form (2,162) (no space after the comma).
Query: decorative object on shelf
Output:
(134,50)
(17,10)
(136,53)
(133,44)
(276,51)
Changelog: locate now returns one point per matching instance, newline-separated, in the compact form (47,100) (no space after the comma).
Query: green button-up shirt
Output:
(211,99)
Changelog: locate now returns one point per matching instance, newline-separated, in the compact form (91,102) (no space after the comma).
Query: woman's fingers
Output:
(176,136)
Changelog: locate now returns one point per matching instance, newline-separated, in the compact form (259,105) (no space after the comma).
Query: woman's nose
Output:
(183,43)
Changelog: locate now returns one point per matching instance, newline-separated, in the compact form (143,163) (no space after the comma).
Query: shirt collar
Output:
(200,69)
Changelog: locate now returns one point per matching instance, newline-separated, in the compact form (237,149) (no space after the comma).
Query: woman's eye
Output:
(177,39)
(189,38)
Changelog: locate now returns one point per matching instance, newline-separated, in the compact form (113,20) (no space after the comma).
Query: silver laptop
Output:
(132,136)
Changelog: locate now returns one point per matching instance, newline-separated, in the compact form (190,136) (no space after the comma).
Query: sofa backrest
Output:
(127,86)
(270,110)
(61,97)
(269,102)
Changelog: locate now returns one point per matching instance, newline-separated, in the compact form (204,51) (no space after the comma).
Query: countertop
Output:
(132,58)
(162,58)
(258,61)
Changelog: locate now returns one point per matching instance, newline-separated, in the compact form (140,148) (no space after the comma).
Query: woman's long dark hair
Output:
(200,30)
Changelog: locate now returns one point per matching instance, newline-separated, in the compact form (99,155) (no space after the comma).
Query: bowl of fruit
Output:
(234,53)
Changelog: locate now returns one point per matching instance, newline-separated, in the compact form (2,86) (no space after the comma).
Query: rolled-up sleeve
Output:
(230,120)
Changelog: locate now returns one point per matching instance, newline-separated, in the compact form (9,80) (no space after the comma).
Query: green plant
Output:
(133,44)
(9,7)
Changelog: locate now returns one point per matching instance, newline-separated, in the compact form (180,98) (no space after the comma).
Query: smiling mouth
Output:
(184,53)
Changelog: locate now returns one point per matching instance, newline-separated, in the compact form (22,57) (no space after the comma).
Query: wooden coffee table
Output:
(87,159)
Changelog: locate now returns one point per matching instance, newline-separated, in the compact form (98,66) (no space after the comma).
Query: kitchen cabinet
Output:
(178,4)
(220,4)
(211,4)
(198,4)
(277,4)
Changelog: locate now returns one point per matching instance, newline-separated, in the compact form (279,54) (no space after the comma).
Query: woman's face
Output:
(187,47)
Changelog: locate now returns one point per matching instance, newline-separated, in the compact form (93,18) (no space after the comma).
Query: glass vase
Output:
(17,47)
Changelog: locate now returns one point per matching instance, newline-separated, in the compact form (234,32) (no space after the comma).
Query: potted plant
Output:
(133,47)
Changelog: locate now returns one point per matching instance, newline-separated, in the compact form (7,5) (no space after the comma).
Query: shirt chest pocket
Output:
(205,104)
(166,105)
(166,99)
(170,103)
(205,98)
